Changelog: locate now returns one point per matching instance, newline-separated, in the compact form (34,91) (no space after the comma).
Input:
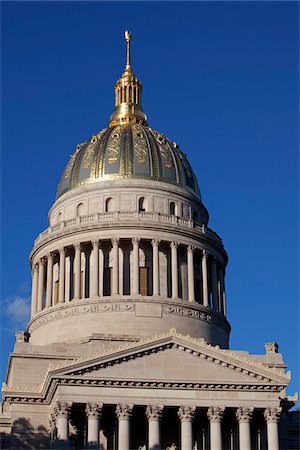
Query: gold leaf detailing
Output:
(90,150)
(182,156)
(164,149)
(113,145)
(139,144)
(72,160)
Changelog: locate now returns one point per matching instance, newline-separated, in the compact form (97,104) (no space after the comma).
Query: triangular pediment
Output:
(172,358)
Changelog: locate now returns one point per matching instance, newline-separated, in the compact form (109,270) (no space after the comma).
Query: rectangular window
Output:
(56,292)
(107,281)
(144,281)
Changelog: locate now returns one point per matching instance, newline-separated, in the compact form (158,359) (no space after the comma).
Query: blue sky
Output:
(219,78)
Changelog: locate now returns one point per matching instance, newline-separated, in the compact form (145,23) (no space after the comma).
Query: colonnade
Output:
(203,280)
(59,426)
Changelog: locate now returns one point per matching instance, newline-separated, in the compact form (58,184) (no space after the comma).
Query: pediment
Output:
(170,358)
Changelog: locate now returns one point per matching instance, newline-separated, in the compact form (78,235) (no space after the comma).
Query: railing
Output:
(99,218)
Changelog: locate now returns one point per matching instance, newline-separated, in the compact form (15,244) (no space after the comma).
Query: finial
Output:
(128,35)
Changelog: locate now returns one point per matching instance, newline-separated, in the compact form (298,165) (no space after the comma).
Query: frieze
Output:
(79,310)
(195,314)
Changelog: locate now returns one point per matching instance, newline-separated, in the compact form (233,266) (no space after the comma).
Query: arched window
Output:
(108,204)
(172,208)
(59,216)
(142,204)
(80,209)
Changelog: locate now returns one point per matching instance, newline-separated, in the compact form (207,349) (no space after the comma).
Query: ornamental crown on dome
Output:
(128,148)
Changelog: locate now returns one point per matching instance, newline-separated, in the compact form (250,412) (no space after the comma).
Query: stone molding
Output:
(154,412)
(215,413)
(93,410)
(244,414)
(186,413)
(62,409)
(123,411)
(272,414)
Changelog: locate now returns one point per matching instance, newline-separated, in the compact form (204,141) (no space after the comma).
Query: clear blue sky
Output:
(219,78)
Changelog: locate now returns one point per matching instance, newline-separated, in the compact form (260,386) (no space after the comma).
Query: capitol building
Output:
(127,347)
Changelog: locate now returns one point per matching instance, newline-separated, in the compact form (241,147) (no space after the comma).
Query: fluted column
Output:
(41,284)
(154,413)
(62,413)
(191,275)
(272,416)
(62,263)
(214,283)
(215,416)
(220,290)
(94,269)
(174,267)
(49,280)
(204,278)
(115,274)
(156,283)
(34,289)
(123,413)
(136,266)
(224,295)
(93,413)
(77,270)
(186,416)
(244,416)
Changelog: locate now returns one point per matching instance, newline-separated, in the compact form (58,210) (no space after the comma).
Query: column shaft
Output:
(77,270)
(62,259)
(214,284)
(41,286)
(186,435)
(34,294)
(273,438)
(154,434)
(174,266)
(215,436)
(204,278)
(124,433)
(49,280)
(156,289)
(191,277)
(245,436)
(136,266)
(94,270)
(115,275)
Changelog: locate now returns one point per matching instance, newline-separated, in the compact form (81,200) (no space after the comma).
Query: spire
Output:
(128,92)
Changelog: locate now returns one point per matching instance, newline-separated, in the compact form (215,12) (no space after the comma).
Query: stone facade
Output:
(128,342)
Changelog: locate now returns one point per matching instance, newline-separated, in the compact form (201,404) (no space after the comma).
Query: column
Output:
(154,413)
(220,290)
(155,263)
(214,283)
(136,266)
(272,416)
(115,274)
(244,416)
(215,416)
(191,277)
(34,289)
(204,278)
(93,413)
(49,280)
(41,285)
(174,269)
(77,269)
(224,294)
(62,259)
(101,270)
(186,416)
(67,277)
(123,413)
(62,412)
(94,269)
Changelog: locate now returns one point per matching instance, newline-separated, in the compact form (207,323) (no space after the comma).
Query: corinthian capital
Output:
(123,410)
(155,242)
(174,244)
(186,413)
(93,409)
(135,240)
(154,412)
(244,414)
(191,249)
(115,241)
(62,409)
(272,414)
(215,413)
